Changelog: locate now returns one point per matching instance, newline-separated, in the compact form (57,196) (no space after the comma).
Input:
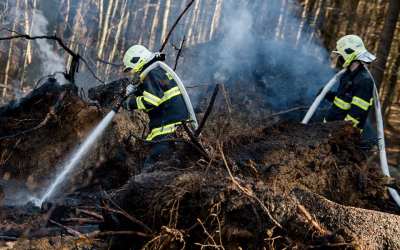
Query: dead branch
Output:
(174,25)
(82,220)
(179,52)
(109,63)
(287,111)
(309,218)
(68,229)
(195,141)
(90,213)
(114,233)
(208,111)
(76,57)
(127,215)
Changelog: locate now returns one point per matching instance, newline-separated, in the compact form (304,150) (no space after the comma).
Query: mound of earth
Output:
(284,186)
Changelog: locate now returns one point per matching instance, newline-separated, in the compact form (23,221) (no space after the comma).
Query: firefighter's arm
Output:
(361,101)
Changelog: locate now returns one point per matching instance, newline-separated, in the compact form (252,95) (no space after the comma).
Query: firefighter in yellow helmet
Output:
(159,96)
(354,96)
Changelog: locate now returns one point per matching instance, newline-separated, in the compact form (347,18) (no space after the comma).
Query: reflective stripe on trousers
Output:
(167,129)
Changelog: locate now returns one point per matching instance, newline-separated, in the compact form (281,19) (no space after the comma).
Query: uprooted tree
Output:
(285,185)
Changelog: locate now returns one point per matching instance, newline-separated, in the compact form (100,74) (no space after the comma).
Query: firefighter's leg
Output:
(159,150)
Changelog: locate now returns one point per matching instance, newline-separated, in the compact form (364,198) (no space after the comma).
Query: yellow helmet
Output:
(136,57)
(351,48)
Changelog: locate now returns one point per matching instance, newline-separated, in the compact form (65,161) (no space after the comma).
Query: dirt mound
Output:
(257,190)
(287,185)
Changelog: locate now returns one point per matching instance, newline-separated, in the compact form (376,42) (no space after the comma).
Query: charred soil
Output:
(284,186)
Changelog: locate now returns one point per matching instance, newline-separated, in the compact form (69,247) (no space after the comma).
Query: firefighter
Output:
(354,96)
(159,96)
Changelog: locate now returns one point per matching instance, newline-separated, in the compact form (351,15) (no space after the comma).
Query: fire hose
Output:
(188,103)
(379,125)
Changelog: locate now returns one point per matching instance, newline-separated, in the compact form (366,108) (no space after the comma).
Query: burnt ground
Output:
(281,185)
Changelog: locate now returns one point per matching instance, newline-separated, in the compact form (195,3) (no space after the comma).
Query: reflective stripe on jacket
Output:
(160,97)
(353,98)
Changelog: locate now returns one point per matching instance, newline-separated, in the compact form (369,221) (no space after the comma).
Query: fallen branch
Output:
(69,230)
(208,111)
(174,25)
(90,213)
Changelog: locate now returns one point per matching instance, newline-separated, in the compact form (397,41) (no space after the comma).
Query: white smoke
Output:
(260,47)
(51,62)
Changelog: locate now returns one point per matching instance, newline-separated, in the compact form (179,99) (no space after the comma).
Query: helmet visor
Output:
(366,57)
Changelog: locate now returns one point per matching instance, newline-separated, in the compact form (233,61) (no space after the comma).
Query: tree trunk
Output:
(385,41)
(392,82)
(9,58)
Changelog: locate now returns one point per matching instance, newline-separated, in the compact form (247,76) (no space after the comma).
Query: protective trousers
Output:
(161,147)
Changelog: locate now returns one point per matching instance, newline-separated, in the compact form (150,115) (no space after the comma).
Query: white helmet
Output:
(136,57)
(351,47)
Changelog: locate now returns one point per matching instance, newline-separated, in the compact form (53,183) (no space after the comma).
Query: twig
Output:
(174,25)
(130,217)
(109,63)
(68,229)
(286,111)
(309,218)
(113,233)
(8,238)
(179,52)
(82,220)
(124,213)
(208,111)
(87,212)
(246,191)
(207,233)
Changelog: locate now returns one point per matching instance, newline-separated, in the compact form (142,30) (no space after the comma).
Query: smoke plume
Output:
(51,62)
(264,52)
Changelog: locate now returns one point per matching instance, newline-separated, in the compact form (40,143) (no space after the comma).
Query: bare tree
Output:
(385,41)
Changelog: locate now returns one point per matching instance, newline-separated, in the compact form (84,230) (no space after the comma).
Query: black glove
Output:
(330,96)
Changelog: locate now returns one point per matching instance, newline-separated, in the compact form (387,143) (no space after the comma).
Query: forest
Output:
(249,175)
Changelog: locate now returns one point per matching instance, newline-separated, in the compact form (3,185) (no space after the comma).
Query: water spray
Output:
(79,154)
(379,125)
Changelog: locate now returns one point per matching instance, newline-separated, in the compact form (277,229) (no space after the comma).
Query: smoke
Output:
(261,50)
(51,62)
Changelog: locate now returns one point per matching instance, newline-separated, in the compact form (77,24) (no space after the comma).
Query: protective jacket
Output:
(160,97)
(353,98)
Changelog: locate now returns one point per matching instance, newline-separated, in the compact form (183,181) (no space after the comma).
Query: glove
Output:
(130,89)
